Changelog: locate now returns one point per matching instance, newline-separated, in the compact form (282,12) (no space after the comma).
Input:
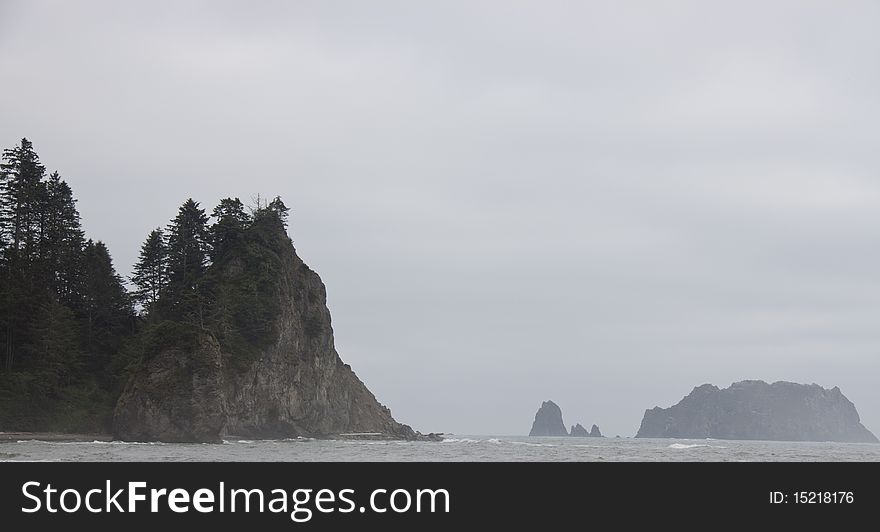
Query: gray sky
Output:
(600,203)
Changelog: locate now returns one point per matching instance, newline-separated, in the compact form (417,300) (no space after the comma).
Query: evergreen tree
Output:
(277,207)
(273,212)
(188,246)
(188,250)
(232,220)
(53,353)
(107,311)
(65,315)
(21,293)
(61,240)
(20,196)
(151,271)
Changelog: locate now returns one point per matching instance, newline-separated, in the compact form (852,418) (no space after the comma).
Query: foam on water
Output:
(529,444)
(493,448)
(694,445)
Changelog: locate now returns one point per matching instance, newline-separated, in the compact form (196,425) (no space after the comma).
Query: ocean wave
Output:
(692,446)
(529,444)
(460,440)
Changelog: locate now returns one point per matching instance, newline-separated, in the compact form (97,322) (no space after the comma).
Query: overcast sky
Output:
(600,203)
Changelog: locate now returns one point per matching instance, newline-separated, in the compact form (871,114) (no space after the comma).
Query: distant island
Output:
(755,410)
(548,422)
(226,332)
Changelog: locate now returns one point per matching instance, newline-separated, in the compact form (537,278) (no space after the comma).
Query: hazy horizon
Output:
(598,204)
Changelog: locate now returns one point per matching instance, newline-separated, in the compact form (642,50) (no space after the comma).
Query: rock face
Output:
(579,431)
(755,410)
(595,432)
(176,397)
(292,385)
(548,421)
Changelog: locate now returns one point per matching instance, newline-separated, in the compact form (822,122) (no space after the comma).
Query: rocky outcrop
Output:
(200,386)
(579,431)
(755,410)
(177,396)
(548,421)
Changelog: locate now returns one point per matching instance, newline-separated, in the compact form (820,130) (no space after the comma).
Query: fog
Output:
(595,203)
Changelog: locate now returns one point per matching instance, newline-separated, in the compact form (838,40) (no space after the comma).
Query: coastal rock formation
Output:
(755,410)
(177,396)
(548,421)
(579,431)
(284,380)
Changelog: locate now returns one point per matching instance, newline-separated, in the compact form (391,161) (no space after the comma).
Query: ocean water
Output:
(452,449)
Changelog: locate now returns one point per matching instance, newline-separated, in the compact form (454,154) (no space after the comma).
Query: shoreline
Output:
(7,437)
(53,436)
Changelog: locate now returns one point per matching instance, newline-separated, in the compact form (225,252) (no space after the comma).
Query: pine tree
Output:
(65,315)
(151,271)
(20,198)
(61,240)
(107,311)
(53,352)
(188,251)
(21,292)
(188,246)
(278,207)
(232,220)
(273,212)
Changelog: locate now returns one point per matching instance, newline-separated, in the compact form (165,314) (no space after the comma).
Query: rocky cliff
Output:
(755,410)
(266,367)
(548,421)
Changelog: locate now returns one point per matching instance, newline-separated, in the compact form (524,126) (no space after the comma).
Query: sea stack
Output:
(755,410)
(595,432)
(579,431)
(548,421)
(270,371)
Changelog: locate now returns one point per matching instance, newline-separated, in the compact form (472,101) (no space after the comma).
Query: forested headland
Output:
(72,330)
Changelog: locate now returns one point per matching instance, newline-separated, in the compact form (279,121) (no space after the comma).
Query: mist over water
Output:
(456,448)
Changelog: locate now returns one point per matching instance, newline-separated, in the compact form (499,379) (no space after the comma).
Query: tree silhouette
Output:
(151,271)
(20,195)
(188,251)
(232,220)
(106,305)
